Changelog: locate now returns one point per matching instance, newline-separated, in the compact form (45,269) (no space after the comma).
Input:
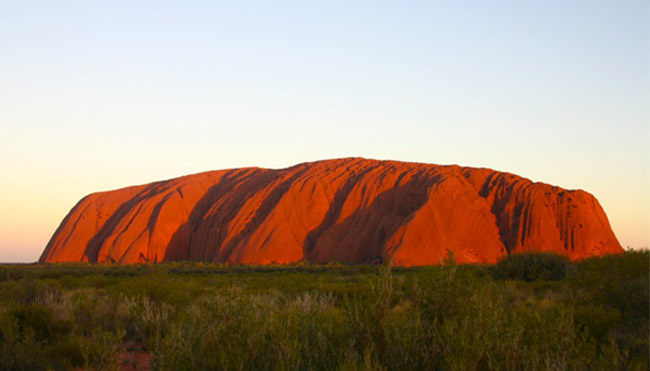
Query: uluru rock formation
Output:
(347,210)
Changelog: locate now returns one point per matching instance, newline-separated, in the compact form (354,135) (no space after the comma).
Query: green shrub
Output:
(32,338)
(101,351)
(19,349)
(532,266)
(619,283)
(65,354)
(598,321)
(41,322)
(23,291)
(366,317)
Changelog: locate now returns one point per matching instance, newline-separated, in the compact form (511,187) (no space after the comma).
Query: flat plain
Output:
(529,311)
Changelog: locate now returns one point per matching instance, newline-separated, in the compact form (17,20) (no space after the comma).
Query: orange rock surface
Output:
(348,210)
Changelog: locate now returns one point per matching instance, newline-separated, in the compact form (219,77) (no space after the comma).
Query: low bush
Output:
(532,266)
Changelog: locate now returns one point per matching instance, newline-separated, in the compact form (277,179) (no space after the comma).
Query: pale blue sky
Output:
(97,95)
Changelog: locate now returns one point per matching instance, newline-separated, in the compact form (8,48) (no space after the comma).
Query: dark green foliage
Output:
(618,284)
(101,350)
(32,338)
(66,353)
(598,321)
(41,322)
(541,312)
(532,266)
(366,315)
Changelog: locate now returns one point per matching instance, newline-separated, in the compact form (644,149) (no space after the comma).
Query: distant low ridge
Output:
(347,210)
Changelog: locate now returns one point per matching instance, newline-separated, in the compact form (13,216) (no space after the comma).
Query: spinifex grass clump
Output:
(190,316)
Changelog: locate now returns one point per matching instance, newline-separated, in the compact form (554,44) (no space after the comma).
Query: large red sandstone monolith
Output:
(347,210)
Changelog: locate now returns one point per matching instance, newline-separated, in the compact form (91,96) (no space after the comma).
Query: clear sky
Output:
(97,95)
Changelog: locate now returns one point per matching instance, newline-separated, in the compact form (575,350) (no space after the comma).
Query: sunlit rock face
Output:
(348,210)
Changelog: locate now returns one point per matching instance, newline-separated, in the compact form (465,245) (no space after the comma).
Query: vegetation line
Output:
(528,312)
